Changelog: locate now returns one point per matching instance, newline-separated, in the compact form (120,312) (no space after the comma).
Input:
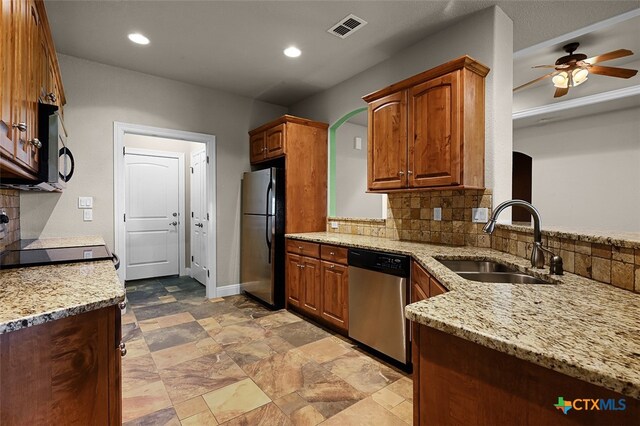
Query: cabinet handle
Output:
(300,248)
(22,127)
(36,142)
(332,266)
(400,173)
(122,305)
(174,223)
(332,253)
(409,172)
(302,266)
(123,349)
(52,96)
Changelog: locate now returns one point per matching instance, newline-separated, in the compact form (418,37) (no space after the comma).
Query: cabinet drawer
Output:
(303,247)
(334,254)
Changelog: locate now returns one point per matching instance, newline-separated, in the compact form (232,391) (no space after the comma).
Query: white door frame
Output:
(119,131)
(181,212)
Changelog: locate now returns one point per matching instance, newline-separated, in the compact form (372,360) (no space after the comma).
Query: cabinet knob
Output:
(123,349)
(332,253)
(52,96)
(174,223)
(332,266)
(400,173)
(22,127)
(300,248)
(36,142)
(122,305)
(409,172)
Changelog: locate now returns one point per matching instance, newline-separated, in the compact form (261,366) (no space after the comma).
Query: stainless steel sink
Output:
(490,272)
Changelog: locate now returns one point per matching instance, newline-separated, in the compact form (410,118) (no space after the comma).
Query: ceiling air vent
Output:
(347,26)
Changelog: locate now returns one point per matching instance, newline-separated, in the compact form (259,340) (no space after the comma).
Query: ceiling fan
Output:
(573,69)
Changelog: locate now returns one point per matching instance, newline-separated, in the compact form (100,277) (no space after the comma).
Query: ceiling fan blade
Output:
(536,80)
(561,91)
(620,53)
(544,66)
(612,71)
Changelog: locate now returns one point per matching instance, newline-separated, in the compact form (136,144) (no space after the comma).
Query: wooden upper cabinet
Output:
(434,121)
(275,138)
(29,74)
(387,149)
(428,131)
(257,151)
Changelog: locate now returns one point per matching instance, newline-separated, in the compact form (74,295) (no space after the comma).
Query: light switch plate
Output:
(480,215)
(334,225)
(85,202)
(87,215)
(437,213)
(357,143)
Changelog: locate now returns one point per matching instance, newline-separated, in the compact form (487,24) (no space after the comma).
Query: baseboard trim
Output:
(187,273)
(228,290)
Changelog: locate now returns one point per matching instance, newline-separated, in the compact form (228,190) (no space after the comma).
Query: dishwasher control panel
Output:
(393,264)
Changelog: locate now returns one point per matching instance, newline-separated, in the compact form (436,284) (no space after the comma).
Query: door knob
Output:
(174,223)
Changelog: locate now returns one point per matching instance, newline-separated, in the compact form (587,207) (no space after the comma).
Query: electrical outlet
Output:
(480,215)
(87,215)
(437,213)
(334,225)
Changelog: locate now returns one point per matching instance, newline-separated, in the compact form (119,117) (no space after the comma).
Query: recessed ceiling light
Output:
(292,52)
(138,38)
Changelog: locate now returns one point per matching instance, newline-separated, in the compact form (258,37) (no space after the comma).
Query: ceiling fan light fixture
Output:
(580,75)
(561,80)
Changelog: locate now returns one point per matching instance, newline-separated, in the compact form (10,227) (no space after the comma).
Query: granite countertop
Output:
(578,327)
(34,295)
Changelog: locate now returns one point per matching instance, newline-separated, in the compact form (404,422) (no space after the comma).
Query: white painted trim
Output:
(577,33)
(577,102)
(119,131)
(228,290)
(187,272)
(182,237)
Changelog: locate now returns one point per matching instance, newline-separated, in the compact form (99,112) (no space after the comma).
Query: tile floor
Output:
(194,361)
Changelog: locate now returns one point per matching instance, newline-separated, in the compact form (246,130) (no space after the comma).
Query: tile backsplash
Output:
(614,261)
(10,203)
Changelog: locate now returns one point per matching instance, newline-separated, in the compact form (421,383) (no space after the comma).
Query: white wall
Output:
(98,95)
(586,171)
(172,145)
(352,200)
(486,36)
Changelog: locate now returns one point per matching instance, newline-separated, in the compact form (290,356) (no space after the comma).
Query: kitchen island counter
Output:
(576,326)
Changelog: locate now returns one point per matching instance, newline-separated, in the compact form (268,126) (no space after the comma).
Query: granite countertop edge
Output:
(577,365)
(36,295)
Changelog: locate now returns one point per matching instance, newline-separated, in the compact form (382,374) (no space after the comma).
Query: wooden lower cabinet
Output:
(66,371)
(335,294)
(460,382)
(318,288)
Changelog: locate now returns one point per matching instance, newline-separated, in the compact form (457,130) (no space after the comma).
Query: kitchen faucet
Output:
(537,252)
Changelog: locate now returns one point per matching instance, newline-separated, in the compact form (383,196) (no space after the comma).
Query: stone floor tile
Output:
(365,412)
(167,321)
(174,335)
(236,399)
(174,355)
(404,411)
(205,418)
(190,407)
(145,399)
(267,415)
(164,417)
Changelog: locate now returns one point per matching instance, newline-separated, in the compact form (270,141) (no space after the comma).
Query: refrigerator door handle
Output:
(267,227)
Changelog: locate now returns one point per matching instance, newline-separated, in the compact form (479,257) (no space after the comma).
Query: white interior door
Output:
(151,215)
(199,220)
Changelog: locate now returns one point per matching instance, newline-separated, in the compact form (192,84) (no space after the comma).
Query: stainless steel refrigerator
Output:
(262,236)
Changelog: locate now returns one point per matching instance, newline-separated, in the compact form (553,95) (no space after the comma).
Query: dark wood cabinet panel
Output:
(419,283)
(435,288)
(293,287)
(257,150)
(387,146)
(311,286)
(334,254)
(63,372)
(304,248)
(335,294)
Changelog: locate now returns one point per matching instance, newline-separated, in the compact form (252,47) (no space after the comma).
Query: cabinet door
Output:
(335,294)
(435,288)
(387,146)
(7,54)
(34,85)
(293,272)
(419,283)
(434,132)
(275,140)
(20,90)
(310,286)
(257,150)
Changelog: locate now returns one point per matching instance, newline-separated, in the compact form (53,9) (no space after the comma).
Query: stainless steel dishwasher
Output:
(378,294)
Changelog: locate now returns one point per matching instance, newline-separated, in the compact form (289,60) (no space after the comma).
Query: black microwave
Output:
(56,161)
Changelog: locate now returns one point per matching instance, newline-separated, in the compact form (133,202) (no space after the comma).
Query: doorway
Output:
(151,169)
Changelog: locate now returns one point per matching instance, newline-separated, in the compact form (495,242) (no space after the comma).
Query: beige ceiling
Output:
(237,45)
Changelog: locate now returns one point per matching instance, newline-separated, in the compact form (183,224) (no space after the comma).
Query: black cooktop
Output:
(38,257)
